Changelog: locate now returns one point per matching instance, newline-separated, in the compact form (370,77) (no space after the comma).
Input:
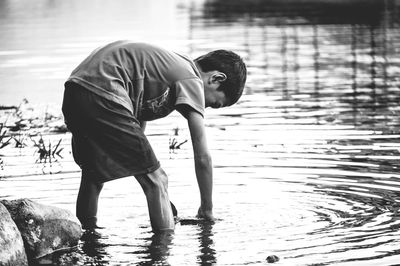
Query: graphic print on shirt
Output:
(157,107)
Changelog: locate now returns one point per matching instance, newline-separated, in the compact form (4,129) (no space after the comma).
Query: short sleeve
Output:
(190,92)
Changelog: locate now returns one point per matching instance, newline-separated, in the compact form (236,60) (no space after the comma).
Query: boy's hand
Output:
(205,214)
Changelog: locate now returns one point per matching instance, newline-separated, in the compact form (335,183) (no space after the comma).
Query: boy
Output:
(109,97)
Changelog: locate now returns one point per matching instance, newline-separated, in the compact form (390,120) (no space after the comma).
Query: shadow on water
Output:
(276,12)
(157,249)
(95,249)
(152,250)
(207,252)
(340,54)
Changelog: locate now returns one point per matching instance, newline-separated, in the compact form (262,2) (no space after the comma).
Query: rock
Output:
(12,251)
(44,229)
(71,257)
(272,259)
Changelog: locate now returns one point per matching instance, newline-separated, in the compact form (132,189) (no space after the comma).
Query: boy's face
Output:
(214,97)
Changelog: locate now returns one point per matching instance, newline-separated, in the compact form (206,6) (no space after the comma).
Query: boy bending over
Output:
(109,97)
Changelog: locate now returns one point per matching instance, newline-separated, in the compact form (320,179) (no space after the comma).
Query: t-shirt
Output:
(147,80)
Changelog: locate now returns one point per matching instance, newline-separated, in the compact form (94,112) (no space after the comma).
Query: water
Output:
(306,164)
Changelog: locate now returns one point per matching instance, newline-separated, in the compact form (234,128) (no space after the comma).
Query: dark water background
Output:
(306,164)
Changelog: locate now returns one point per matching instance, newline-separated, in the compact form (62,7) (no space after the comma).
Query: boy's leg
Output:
(155,187)
(87,202)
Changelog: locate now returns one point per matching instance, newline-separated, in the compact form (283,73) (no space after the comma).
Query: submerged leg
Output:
(155,187)
(87,202)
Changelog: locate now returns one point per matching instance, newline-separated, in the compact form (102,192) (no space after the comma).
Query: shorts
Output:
(107,140)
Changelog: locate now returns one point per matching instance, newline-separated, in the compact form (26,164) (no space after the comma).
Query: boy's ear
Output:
(218,77)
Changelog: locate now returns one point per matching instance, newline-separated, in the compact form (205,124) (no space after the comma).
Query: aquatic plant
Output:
(175,145)
(4,140)
(7,107)
(19,140)
(26,116)
(47,153)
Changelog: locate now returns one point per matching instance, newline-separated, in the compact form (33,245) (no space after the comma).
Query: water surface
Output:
(306,164)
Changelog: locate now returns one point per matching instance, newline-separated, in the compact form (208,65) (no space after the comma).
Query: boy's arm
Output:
(202,160)
(143,125)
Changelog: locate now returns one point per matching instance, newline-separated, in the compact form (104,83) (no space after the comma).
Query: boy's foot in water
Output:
(90,234)
(90,228)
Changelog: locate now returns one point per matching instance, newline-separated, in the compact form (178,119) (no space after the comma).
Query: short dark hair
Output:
(232,66)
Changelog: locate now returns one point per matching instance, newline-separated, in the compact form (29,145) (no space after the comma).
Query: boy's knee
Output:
(154,182)
(88,184)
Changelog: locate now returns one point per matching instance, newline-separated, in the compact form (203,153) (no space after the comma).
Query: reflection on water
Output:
(306,164)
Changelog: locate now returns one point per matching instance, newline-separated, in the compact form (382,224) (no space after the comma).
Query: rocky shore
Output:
(30,231)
